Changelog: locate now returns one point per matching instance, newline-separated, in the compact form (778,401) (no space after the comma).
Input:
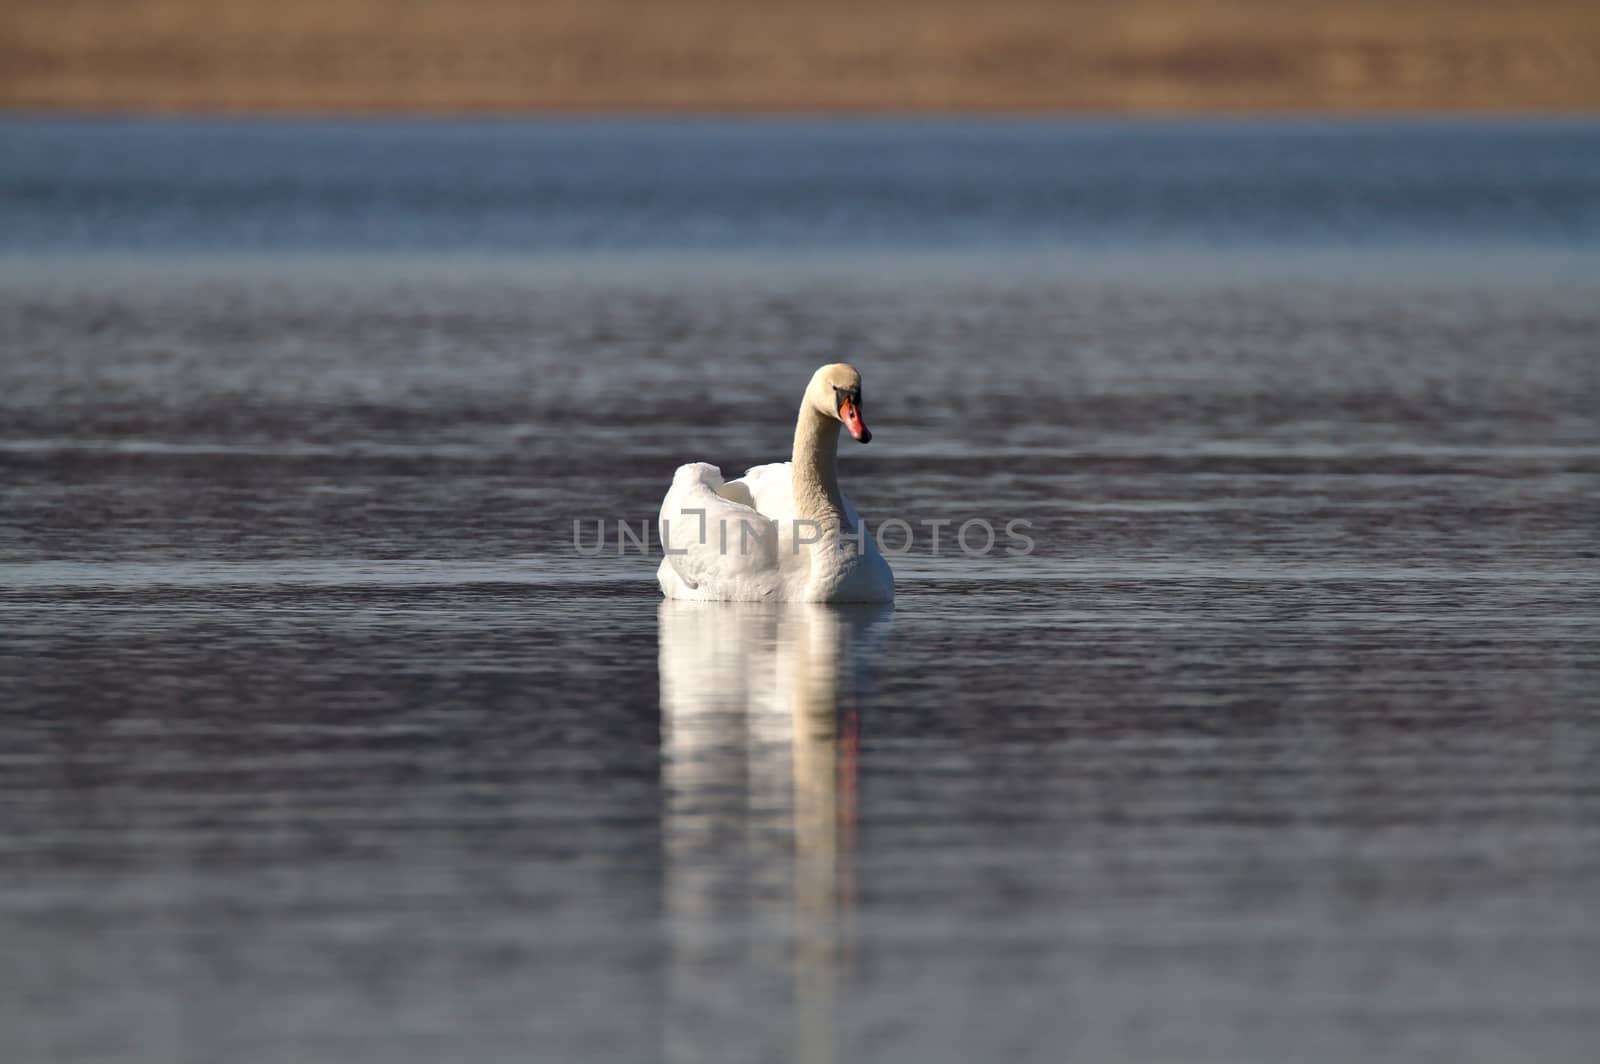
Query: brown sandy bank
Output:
(1145,56)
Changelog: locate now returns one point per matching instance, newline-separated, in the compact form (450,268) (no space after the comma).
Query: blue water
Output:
(510,187)
(321,742)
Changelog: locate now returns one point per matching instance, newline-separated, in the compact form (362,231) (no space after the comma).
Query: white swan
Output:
(782,532)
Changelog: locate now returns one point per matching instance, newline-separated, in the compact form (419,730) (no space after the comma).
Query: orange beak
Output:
(850,414)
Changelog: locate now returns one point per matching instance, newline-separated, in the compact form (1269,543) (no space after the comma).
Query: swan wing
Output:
(771,489)
(715,539)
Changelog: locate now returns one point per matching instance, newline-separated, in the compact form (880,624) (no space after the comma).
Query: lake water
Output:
(323,742)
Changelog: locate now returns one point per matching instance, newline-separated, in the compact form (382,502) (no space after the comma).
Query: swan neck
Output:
(815,468)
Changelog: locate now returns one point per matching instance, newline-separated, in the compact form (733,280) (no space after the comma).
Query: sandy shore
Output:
(1147,56)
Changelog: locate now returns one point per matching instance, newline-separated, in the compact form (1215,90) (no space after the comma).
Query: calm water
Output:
(323,743)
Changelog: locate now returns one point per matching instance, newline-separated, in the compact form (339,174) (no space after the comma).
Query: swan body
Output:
(782,532)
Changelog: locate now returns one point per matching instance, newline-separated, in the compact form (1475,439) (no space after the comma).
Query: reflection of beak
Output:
(850,414)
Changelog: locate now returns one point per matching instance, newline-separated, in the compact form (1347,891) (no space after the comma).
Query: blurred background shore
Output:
(910,56)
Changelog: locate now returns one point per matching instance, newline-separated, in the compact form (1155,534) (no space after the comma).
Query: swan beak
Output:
(850,414)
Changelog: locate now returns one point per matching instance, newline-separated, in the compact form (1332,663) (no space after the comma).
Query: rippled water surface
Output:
(324,743)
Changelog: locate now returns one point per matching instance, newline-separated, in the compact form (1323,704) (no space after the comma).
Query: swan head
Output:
(835,391)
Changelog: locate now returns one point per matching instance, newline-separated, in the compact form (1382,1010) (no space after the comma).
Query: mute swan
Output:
(782,532)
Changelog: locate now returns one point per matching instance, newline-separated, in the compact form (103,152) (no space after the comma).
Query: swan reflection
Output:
(759,709)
